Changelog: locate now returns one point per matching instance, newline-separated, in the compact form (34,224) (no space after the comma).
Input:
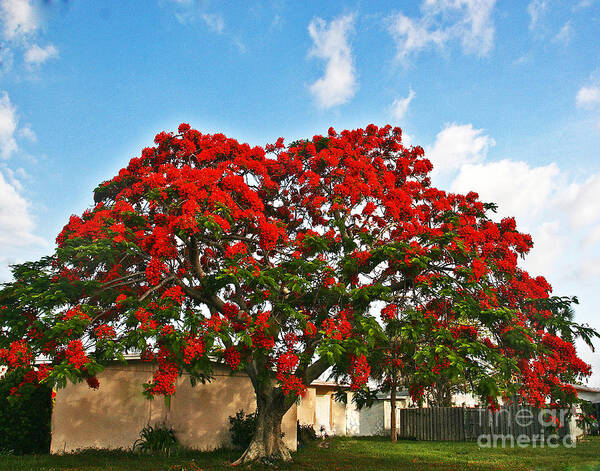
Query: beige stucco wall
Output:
(306,408)
(319,408)
(113,416)
(371,420)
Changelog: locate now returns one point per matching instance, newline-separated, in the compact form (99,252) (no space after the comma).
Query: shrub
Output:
(242,429)
(24,417)
(157,439)
(306,433)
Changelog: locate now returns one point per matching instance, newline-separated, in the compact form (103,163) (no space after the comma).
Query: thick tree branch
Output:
(157,287)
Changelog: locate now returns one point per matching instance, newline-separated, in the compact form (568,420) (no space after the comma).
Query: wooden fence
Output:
(462,423)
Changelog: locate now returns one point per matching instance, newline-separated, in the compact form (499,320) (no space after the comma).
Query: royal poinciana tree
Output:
(283,262)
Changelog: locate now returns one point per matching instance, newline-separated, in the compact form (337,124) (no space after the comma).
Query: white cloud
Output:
(331,43)
(16,223)
(565,34)
(38,55)
(17,237)
(412,36)
(549,243)
(400,105)
(19,18)
(457,145)
(469,21)
(8,127)
(27,133)
(562,217)
(536,9)
(519,189)
(588,97)
(583,4)
(277,22)
(556,208)
(580,200)
(215,22)
(592,237)
(6,60)
(21,21)
(476,29)
(13,177)
(590,270)
(560,212)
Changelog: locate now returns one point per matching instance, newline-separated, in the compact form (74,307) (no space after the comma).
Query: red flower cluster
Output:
(105,332)
(34,376)
(75,354)
(338,328)
(466,331)
(76,313)
(175,293)
(17,355)
(390,312)
(269,234)
(154,270)
(236,249)
(293,385)
(164,378)
(310,330)
(362,257)
(145,319)
(232,357)
(287,362)
(359,372)
(93,382)
(194,349)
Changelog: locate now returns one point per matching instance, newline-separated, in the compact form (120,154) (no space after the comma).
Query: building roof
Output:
(400,394)
(581,387)
(320,382)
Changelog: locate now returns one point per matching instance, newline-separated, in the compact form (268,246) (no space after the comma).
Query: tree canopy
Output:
(284,261)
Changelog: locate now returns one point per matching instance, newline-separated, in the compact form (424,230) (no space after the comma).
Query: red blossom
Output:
(93,382)
(359,372)
(75,354)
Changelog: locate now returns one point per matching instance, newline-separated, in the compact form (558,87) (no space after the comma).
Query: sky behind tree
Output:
(503,96)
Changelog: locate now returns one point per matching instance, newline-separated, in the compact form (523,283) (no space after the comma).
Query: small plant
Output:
(588,419)
(158,439)
(242,428)
(306,433)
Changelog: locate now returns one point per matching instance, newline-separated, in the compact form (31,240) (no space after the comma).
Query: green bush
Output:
(158,439)
(242,429)
(306,433)
(24,419)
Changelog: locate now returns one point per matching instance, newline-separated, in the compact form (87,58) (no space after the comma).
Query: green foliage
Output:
(25,419)
(589,419)
(242,429)
(306,434)
(157,439)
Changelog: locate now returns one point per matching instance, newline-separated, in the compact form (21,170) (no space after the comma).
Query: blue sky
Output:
(503,95)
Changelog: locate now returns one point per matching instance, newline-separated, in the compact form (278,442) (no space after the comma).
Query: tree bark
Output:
(271,405)
(393,430)
(267,444)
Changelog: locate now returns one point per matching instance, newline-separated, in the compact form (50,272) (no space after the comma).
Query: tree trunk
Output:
(393,431)
(267,444)
(271,405)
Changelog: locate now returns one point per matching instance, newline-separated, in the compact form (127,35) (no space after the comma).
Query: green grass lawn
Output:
(343,454)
